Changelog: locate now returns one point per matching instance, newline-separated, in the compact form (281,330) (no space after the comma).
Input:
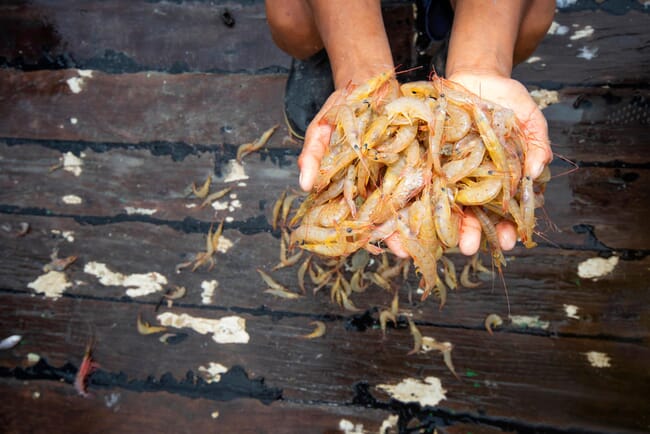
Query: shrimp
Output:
(455,170)
(492,320)
(144,328)
(349,190)
(457,124)
(301,274)
(464,278)
(202,192)
(214,196)
(318,331)
(248,148)
(422,89)
(87,367)
(481,192)
(417,338)
(527,212)
(370,87)
(447,222)
(276,210)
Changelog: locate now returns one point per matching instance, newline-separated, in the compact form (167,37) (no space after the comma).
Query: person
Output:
(487,39)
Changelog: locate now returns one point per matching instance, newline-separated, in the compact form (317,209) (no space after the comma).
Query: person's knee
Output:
(292,27)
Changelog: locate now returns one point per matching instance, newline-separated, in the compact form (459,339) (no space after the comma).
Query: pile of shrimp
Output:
(409,161)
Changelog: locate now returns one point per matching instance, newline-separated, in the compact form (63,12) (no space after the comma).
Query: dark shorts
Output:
(438,17)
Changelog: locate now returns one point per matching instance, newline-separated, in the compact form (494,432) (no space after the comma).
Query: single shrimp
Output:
(248,148)
(457,124)
(214,196)
(370,87)
(527,212)
(87,367)
(417,338)
(349,190)
(474,151)
(492,320)
(318,331)
(421,88)
(202,192)
(301,274)
(465,280)
(144,328)
(276,210)
(481,192)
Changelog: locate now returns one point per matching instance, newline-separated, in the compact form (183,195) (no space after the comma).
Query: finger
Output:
(395,245)
(507,235)
(470,234)
(538,152)
(316,139)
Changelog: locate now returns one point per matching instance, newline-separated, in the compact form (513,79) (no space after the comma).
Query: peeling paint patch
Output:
(429,392)
(137,285)
(585,32)
(557,29)
(234,172)
(349,428)
(587,53)
(71,163)
(71,199)
(51,284)
(595,268)
(544,98)
(190,205)
(214,414)
(87,73)
(208,290)
(67,235)
(130,210)
(529,322)
(74,121)
(74,83)
(571,311)
(226,330)
(598,359)
(388,423)
(213,372)
(224,244)
(219,205)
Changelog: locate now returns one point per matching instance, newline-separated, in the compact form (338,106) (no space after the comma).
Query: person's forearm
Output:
(355,39)
(484,35)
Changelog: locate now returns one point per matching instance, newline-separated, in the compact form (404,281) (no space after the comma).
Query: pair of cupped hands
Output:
(504,91)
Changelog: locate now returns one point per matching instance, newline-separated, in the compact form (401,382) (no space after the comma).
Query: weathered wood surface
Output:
(144,136)
(144,36)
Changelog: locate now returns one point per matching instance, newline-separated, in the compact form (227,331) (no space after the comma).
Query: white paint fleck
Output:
(88,73)
(208,290)
(543,97)
(388,423)
(235,203)
(571,311)
(557,29)
(587,53)
(565,3)
(214,414)
(219,205)
(71,199)
(598,359)
(224,244)
(74,121)
(112,399)
(226,330)
(349,428)
(10,342)
(51,284)
(235,172)
(190,205)
(130,210)
(529,321)
(585,32)
(241,184)
(429,392)
(67,235)
(137,285)
(32,359)
(229,219)
(533,59)
(213,372)
(233,195)
(595,268)
(75,83)
(71,163)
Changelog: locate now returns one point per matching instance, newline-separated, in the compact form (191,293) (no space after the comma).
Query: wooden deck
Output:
(173,90)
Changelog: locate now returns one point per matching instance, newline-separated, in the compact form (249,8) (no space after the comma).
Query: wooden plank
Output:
(585,53)
(37,405)
(130,36)
(540,370)
(193,36)
(162,187)
(177,114)
(143,107)
(541,282)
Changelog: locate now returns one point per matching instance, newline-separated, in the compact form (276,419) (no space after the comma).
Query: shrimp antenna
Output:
(571,162)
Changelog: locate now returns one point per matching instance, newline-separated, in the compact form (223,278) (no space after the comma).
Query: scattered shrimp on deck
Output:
(318,331)
(248,148)
(144,328)
(491,321)
(87,367)
(202,192)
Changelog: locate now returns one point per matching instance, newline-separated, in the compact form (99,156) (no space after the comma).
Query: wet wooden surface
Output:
(169,107)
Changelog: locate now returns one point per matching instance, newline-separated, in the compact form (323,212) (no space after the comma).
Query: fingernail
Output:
(536,170)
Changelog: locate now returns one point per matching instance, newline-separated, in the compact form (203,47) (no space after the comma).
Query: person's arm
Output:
(354,37)
(487,38)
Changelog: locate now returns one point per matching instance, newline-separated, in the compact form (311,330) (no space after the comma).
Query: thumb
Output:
(317,138)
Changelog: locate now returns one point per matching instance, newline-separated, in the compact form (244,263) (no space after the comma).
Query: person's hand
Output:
(511,94)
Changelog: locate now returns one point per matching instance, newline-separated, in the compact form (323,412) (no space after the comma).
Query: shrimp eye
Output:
(348,230)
